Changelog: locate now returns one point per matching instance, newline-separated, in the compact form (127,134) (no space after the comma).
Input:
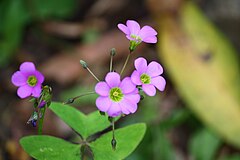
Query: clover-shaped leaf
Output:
(127,139)
(50,148)
(85,125)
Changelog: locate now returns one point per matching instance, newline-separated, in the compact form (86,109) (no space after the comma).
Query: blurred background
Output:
(197,117)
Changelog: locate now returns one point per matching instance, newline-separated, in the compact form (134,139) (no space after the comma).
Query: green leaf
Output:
(14,17)
(127,139)
(204,68)
(54,8)
(231,157)
(85,125)
(50,148)
(210,142)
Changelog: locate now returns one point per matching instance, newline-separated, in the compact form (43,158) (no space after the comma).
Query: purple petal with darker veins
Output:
(140,65)
(103,103)
(147,31)
(149,89)
(18,79)
(102,88)
(24,91)
(152,39)
(114,110)
(154,69)
(112,79)
(124,28)
(36,91)
(133,26)
(159,82)
(127,85)
(27,67)
(135,77)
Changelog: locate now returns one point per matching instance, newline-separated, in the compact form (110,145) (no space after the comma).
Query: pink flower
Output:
(148,76)
(29,80)
(117,97)
(136,34)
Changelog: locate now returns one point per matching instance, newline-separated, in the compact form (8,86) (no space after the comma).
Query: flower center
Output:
(32,81)
(116,94)
(137,38)
(145,79)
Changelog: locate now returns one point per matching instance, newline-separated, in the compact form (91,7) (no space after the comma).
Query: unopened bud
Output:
(113,52)
(114,144)
(69,101)
(84,64)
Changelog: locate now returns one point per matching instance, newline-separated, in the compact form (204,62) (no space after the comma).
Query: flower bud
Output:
(69,101)
(113,52)
(84,64)
(114,143)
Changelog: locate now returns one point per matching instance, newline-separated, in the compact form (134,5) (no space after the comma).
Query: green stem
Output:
(113,128)
(111,63)
(71,100)
(113,142)
(125,64)
(40,122)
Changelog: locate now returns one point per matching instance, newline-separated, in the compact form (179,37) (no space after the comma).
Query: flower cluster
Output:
(118,97)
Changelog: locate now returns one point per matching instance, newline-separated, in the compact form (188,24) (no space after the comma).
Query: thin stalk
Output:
(71,100)
(125,64)
(40,122)
(113,142)
(92,74)
(111,63)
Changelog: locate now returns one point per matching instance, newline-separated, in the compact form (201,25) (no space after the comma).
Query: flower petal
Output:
(27,67)
(39,76)
(152,39)
(154,69)
(113,79)
(125,104)
(140,64)
(134,98)
(18,79)
(159,82)
(114,110)
(24,91)
(149,89)
(124,29)
(135,77)
(102,89)
(127,85)
(124,109)
(36,91)
(147,31)
(133,26)
(103,103)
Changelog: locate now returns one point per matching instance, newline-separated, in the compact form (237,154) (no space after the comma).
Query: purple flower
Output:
(29,80)
(136,34)
(116,96)
(148,76)
(42,104)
